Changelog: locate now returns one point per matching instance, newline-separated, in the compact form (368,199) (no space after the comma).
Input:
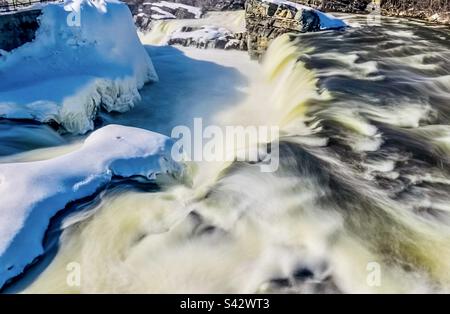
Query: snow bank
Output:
(86,55)
(327,21)
(34,192)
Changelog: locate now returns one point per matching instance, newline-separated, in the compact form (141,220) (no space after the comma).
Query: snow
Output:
(161,14)
(33,192)
(71,70)
(203,35)
(327,21)
(194,10)
(184,72)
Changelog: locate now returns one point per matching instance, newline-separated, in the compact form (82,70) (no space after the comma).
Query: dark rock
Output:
(18,28)
(143,21)
(221,43)
(303,273)
(280,282)
(185,29)
(181,13)
(311,22)
(134,8)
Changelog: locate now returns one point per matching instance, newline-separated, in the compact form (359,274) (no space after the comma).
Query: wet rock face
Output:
(18,28)
(431,10)
(266,21)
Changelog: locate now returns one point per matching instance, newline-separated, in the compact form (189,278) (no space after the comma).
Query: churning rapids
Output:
(364,176)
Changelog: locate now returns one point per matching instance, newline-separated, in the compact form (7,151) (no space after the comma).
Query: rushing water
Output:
(363,180)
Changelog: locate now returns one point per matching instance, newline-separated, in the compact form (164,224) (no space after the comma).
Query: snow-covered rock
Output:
(86,56)
(160,14)
(327,21)
(175,7)
(33,192)
(147,12)
(203,37)
(268,19)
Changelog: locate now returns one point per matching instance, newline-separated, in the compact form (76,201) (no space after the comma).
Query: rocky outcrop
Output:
(266,21)
(18,28)
(208,37)
(142,21)
(160,8)
(146,11)
(430,10)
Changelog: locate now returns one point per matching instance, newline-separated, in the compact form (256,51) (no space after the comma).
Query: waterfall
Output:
(358,204)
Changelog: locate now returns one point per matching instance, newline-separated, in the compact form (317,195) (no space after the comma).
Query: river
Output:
(360,202)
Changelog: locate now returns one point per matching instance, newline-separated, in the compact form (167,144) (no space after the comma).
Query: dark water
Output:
(395,80)
(17,137)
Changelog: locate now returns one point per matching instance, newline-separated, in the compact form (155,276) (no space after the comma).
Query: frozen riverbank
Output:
(86,57)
